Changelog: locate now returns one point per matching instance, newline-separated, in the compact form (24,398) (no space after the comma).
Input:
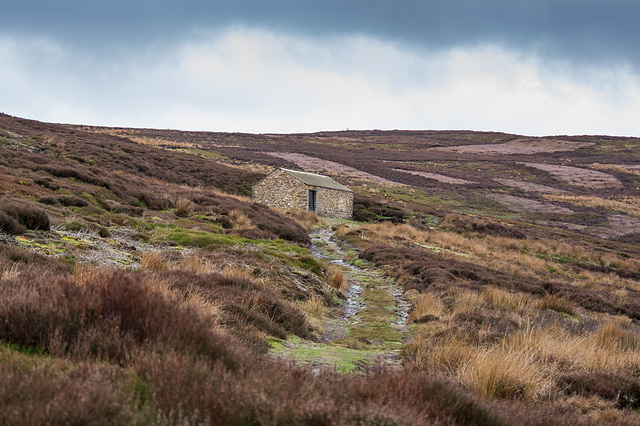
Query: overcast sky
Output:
(534,67)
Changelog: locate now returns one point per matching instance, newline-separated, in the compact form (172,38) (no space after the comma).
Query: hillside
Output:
(486,278)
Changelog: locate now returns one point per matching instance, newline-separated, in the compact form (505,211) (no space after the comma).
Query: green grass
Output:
(375,331)
(378,297)
(344,360)
(202,239)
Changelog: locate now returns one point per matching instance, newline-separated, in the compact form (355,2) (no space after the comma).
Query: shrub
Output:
(47,183)
(108,316)
(52,201)
(29,216)
(623,390)
(68,172)
(366,209)
(128,210)
(10,225)
(72,201)
(246,303)
(429,270)
(77,226)
(77,395)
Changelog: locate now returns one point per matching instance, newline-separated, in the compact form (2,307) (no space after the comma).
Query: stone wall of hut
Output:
(281,190)
(284,191)
(334,203)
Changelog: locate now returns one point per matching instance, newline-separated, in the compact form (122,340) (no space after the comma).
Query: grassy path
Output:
(371,327)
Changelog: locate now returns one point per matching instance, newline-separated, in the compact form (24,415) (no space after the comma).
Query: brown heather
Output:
(165,364)
(514,321)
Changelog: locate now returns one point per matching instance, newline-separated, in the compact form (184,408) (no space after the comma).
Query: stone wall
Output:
(284,191)
(334,203)
(281,190)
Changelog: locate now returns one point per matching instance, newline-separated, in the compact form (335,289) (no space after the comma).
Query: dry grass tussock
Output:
(524,257)
(239,220)
(466,302)
(425,304)
(306,219)
(154,261)
(557,304)
(220,193)
(527,363)
(238,271)
(315,310)
(336,278)
(629,205)
(10,272)
(184,207)
(502,300)
(616,168)
(196,263)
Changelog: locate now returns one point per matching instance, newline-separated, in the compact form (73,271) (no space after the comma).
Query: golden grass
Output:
(184,207)
(614,337)
(196,263)
(426,304)
(238,271)
(557,304)
(10,273)
(83,273)
(597,410)
(627,205)
(525,257)
(308,220)
(153,261)
(202,304)
(239,220)
(525,363)
(502,300)
(466,302)
(616,168)
(497,373)
(208,308)
(315,310)
(228,194)
(336,278)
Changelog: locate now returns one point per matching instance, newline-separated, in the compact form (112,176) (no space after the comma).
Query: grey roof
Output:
(316,180)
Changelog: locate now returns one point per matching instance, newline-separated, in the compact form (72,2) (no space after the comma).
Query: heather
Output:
(477,284)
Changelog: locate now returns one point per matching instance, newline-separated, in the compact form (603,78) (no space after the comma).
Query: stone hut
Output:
(288,189)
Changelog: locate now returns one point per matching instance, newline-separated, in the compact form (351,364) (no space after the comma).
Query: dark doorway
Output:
(312,200)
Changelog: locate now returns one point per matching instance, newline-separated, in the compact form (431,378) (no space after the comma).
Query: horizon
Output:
(320,131)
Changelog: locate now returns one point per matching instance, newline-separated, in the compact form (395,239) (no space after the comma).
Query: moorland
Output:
(486,278)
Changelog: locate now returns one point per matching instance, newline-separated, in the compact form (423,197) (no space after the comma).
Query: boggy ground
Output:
(368,327)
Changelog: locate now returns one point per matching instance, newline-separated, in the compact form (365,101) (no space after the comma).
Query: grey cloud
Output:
(583,31)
